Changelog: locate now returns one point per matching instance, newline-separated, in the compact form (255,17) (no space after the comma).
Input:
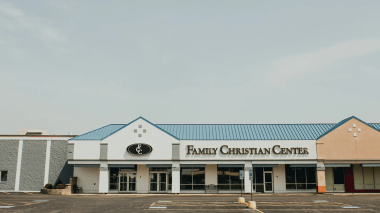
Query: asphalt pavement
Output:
(35,202)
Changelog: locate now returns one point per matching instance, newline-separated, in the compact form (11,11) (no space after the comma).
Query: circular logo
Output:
(139,149)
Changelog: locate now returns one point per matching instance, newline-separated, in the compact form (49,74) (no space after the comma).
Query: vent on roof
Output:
(32,132)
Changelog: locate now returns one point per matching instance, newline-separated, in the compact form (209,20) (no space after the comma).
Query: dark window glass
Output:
(311,186)
(170,177)
(223,177)
(235,187)
(259,187)
(198,175)
(234,175)
(186,176)
(310,174)
(228,178)
(268,177)
(186,187)
(268,169)
(301,186)
(198,187)
(268,186)
(114,175)
(338,175)
(223,187)
(259,175)
(290,186)
(290,174)
(300,175)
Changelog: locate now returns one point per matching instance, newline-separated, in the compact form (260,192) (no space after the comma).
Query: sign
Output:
(139,149)
(250,174)
(225,150)
(241,174)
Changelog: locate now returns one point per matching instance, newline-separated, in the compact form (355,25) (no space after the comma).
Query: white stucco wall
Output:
(279,179)
(160,141)
(86,150)
(309,144)
(142,179)
(88,178)
(211,174)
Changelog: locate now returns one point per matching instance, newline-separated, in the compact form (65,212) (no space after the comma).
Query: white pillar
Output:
(18,169)
(176,177)
(247,181)
(47,162)
(142,179)
(103,178)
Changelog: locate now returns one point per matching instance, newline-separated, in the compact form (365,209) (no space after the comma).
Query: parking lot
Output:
(35,202)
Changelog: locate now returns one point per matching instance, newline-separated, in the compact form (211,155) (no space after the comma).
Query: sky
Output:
(75,66)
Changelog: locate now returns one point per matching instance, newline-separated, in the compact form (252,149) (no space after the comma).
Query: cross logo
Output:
(353,130)
(140,130)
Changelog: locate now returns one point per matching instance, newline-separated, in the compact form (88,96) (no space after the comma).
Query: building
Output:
(142,157)
(33,158)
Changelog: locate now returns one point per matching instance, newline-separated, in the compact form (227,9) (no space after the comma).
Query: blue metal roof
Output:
(246,131)
(101,133)
(230,131)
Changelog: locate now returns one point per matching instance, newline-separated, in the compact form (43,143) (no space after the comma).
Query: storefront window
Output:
(228,178)
(300,178)
(159,178)
(117,173)
(366,178)
(193,178)
(114,178)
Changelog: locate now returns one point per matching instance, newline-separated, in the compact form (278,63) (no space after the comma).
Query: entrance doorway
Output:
(262,179)
(268,179)
(339,179)
(127,182)
(158,181)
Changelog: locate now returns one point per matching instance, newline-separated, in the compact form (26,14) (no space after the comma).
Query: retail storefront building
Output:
(142,157)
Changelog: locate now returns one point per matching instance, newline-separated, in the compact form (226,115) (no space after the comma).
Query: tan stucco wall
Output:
(340,144)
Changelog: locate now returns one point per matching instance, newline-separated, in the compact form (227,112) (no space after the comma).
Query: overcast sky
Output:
(74,66)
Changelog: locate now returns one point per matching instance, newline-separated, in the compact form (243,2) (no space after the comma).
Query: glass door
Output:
(268,182)
(127,182)
(158,182)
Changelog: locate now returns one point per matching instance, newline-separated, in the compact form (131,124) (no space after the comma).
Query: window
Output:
(3,175)
(300,178)
(193,178)
(228,178)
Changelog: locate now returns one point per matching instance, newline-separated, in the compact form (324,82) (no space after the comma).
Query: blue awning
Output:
(303,165)
(86,165)
(264,165)
(192,165)
(337,165)
(121,165)
(370,165)
(158,165)
(230,165)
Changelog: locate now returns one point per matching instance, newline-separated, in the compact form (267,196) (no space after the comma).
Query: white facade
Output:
(94,159)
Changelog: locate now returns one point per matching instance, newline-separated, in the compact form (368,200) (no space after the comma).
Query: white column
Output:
(47,162)
(279,179)
(103,177)
(18,169)
(142,179)
(247,181)
(176,177)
